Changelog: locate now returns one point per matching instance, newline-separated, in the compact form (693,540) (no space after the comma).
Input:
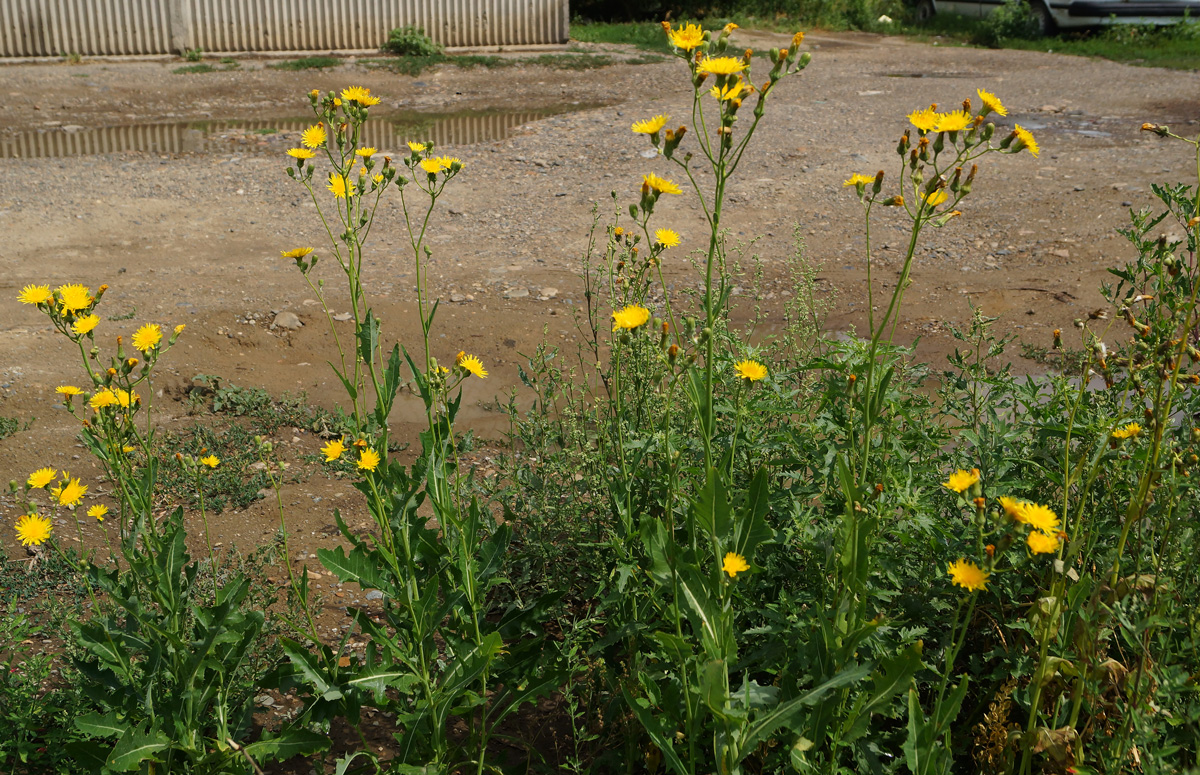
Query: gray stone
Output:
(516,293)
(548,293)
(287,320)
(374,594)
(342,317)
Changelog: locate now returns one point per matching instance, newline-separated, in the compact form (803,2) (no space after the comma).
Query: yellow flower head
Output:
(797,39)
(74,297)
(1132,430)
(85,324)
(991,102)
(102,399)
(630,318)
(99,511)
(1025,139)
(212,461)
(35,294)
(70,492)
(954,121)
(41,477)
(1039,517)
(471,364)
(179,328)
(147,337)
(687,37)
(367,153)
(751,370)
(1012,507)
(125,398)
(295,252)
(730,91)
(936,198)
(924,120)
(432,166)
(858,180)
(661,185)
(960,480)
(300,153)
(650,126)
(68,390)
(378,178)
(359,94)
(33,530)
(734,564)
(340,186)
(968,575)
(721,65)
(448,162)
(1042,543)
(333,450)
(666,237)
(314,136)
(368,459)
(416,147)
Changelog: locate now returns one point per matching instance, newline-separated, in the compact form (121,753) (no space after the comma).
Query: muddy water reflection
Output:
(266,136)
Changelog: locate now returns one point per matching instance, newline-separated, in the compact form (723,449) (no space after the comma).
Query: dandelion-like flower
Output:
(70,492)
(1132,430)
(212,461)
(366,153)
(471,364)
(86,324)
(721,65)
(368,460)
(314,136)
(179,328)
(125,398)
(968,575)
(991,102)
(687,37)
(147,337)
(35,294)
(961,479)
(102,399)
(74,297)
(1039,517)
(924,120)
(295,252)
(1025,138)
(99,511)
(359,94)
(650,126)
(936,198)
(448,162)
(1042,543)
(1012,507)
(339,186)
(33,530)
(858,180)
(68,390)
(751,370)
(333,450)
(730,91)
(630,318)
(417,147)
(300,153)
(666,237)
(432,166)
(41,477)
(734,564)
(954,121)
(661,185)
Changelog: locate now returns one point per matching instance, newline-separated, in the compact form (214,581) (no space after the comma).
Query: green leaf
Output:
(892,677)
(135,747)
(97,725)
(380,678)
(368,338)
(288,743)
(304,661)
(785,713)
(653,724)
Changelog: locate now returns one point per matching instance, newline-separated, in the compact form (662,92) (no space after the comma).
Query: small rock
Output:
(649,153)
(516,293)
(265,700)
(1062,253)
(548,293)
(72,128)
(287,320)
(457,298)
(374,594)
(342,317)
(1079,188)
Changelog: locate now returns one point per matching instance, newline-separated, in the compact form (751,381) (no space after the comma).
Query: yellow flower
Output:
(968,575)
(295,252)
(721,65)
(1012,507)
(103,398)
(961,480)
(650,126)
(661,185)
(368,459)
(333,450)
(1025,139)
(340,186)
(99,511)
(734,564)
(924,120)
(858,180)
(954,121)
(359,94)
(85,324)
(936,198)
(41,477)
(70,492)
(378,178)
(147,337)
(686,37)
(68,390)
(367,153)
(35,294)
(448,161)
(212,461)
(417,147)
(471,364)
(630,318)
(300,153)
(1130,431)
(730,92)
(666,237)
(125,398)
(751,370)
(991,102)
(797,39)
(179,328)
(1042,543)
(74,297)
(33,530)
(1039,517)
(432,166)
(314,136)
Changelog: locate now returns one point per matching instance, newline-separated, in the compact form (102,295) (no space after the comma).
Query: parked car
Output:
(1066,14)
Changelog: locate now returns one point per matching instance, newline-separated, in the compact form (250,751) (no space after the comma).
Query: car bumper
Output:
(1141,9)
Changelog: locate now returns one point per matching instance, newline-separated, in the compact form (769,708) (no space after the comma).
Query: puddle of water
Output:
(266,136)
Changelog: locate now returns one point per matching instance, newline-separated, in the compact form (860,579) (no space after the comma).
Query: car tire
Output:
(1046,26)
(924,11)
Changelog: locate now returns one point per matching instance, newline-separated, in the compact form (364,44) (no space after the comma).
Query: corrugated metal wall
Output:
(109,27)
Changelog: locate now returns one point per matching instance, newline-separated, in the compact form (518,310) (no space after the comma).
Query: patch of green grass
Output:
(645,35)
(570,61)
(307,63)
(267,131)
(204,68)
(11,425)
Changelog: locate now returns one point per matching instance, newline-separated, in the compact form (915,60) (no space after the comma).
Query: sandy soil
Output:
(195,237)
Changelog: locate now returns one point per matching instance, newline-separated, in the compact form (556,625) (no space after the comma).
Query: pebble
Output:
(265,700)
(342,317)
(374,594)
(287,320)
(516,293)
(548,293)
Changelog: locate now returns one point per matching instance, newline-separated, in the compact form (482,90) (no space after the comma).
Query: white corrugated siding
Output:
(110,27)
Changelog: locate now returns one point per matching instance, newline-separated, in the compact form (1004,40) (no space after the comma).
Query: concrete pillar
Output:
(179,19)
